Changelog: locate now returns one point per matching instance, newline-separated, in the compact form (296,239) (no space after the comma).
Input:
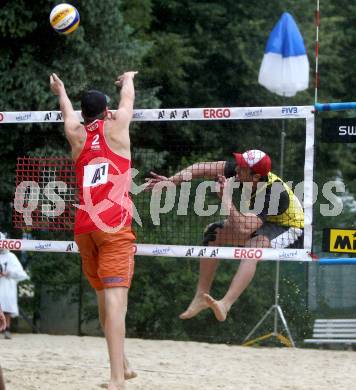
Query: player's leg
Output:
(129,373)
(269,235)
(215,234)
(89,251)
(115,313)
(116,265)
(239,283)
(207,270)
(100,295)
(7,332)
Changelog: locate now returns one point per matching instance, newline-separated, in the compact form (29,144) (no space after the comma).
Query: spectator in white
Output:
(2,327)
(11,272)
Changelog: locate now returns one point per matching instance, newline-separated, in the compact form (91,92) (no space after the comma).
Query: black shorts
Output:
(281,236)
(278,235)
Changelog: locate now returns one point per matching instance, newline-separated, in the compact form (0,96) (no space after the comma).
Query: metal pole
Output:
(281,172)
(276,300)
(260,322)
(284,322)
(317,25)
(283,137)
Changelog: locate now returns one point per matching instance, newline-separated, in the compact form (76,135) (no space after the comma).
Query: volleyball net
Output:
(182,220)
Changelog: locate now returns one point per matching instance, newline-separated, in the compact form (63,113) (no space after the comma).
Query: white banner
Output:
(174,114)
(185,251)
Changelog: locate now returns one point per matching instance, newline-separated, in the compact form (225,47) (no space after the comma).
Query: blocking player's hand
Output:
(56,84)
(127,75)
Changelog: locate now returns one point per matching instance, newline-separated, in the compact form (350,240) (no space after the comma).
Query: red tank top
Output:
(104,181)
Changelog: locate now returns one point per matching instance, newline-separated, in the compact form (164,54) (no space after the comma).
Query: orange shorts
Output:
(107,258)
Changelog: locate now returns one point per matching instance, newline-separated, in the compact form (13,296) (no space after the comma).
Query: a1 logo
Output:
(95,174)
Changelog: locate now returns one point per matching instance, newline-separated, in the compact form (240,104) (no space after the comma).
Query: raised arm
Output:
(201,170)
(127,98)
(117,133)
(71,121)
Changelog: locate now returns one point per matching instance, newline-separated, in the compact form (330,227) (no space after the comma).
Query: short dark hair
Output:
(93,104)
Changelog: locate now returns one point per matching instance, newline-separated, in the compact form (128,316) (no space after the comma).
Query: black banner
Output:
(338,130)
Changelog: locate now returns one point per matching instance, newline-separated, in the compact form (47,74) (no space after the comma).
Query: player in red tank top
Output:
(101,152)
(97,167)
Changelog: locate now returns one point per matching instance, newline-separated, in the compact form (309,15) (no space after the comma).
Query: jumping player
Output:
(276,220)
(101,152)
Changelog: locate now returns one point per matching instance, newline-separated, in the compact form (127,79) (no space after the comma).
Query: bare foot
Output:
(196,306)
(116,386)
(217,307)
(129,373)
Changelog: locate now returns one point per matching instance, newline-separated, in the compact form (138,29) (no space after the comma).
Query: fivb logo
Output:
(290,111)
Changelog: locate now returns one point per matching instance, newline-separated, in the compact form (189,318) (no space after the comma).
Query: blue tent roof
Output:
(285,38)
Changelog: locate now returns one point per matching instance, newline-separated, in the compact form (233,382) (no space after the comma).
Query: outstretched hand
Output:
(127,75)
(155,179)
(56,84)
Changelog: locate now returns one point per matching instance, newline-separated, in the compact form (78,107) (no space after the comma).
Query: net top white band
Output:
(174,114)
(184,251)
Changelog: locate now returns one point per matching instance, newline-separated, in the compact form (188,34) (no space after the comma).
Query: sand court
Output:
(71,363)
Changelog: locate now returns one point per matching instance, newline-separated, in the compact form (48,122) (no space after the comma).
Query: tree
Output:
(31,50)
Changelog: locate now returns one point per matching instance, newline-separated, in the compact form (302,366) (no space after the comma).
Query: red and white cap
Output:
(258,161)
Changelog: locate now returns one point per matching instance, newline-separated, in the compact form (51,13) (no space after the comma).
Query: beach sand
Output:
(47,362)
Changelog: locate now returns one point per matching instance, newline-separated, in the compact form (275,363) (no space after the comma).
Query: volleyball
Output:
(64,18)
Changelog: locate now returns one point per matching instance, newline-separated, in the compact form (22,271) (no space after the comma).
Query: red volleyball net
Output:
(45,194)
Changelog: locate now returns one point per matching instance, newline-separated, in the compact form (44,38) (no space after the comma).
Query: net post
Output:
(317,26)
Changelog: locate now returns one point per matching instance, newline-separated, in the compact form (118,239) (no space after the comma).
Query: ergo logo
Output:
(241,253)
(216,113)
(10,244)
